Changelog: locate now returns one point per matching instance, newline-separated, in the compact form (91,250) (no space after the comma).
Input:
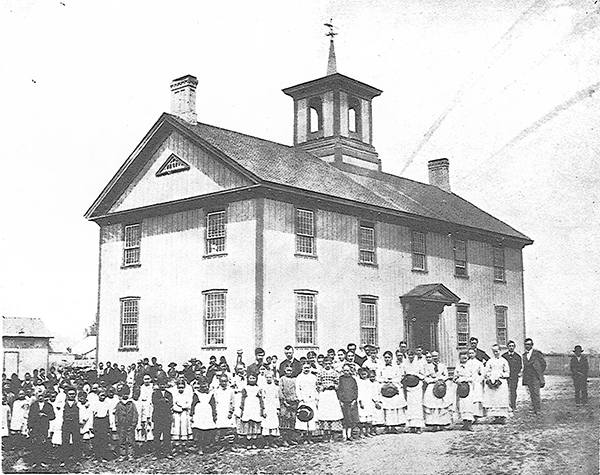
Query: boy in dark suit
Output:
(41,413)
(579,371)
(162,417)
(515,365)
(534,366)
(70,428)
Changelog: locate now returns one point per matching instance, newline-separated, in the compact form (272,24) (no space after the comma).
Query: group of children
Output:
(256,405)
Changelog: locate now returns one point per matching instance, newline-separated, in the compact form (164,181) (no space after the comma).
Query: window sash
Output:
(368,322)
(132,243)
(215,232)
(215,309)
(366,245)
(501,326)
(305,319)
(462,326)
(499,268)
(460,257)
(305,231)
(418,250)
(129,323)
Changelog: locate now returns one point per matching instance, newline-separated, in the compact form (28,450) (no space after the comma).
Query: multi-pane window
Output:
(501,326)
(130,308)
(418,251)
(367,244)
(132,240)
(214,318)
(306,318)
(460,257)
(305,231)
(368,321)
(462,325)
(499,273)
(215,232)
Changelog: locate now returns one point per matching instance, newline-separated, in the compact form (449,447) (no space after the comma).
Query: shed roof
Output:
(24,327)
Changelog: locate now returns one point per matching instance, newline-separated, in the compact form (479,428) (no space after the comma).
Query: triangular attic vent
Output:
(173,164)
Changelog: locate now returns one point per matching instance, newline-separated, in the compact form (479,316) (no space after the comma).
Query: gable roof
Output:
(435,292)
(25,327)
(270,162)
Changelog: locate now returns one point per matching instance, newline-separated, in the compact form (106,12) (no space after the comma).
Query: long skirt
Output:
(394,410)
(249,428)
(437,411)
(495,401)
(414,411)
(181,428)
(350,412)
(287,414)
(328,407)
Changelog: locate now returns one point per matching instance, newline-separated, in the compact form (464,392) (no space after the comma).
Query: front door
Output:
(422,328)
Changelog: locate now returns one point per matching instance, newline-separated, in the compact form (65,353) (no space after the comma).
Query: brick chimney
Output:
(183,98)
(439,173)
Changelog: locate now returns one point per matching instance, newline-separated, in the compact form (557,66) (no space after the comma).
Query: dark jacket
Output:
(481,355)
(579,369)
(71,414)
(515,363)
(40,417)
(533,369)
(347,390)
(163,406)
(295,364)
(126,415)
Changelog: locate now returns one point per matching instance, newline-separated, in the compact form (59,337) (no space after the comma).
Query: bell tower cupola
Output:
(333,117)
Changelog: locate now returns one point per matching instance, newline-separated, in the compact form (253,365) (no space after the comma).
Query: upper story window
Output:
(419,251)
(306,317)
(366,244)
(132,238)
(215,232)
(460,257)
(315,118)
(368,320)
(305,232)
(462,326)
(501,325)
(354,116)
(499,270)
(130,307)
(214,317)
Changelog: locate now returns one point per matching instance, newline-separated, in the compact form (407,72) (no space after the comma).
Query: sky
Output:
(507,90)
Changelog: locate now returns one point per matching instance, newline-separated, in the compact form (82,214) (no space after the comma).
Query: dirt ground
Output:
(563,440)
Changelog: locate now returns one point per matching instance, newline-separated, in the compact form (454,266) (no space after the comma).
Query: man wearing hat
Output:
(579,371)
(172,372)
(534,366)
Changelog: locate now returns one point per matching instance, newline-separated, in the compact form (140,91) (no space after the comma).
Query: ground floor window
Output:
(462,325)
(130,308)
(215,310)
(368,320)
(501,326)
(306,318)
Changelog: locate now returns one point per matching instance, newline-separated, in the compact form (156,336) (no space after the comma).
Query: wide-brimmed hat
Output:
(463,389)
(389,390)
(411,381)
(577,347)
(172,364)
(305,413)
(439,389)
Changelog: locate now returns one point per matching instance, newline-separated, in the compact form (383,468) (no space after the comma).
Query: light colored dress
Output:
(55,427)
(496,400)
(225,400)
(464,406)
(393,407)
(477,375)
(20,415)
(181,428)
(414,395)
(86,420)
(437,411)
(270,424)
(328,404)
(203,412)
(306,390)
(251,409)
(366,405)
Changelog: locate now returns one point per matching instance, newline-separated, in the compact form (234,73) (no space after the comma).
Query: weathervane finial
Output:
(331,63)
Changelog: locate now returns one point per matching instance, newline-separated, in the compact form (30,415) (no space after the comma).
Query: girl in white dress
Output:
(477,373)
(393,407)
(306,390)
(204,415)
(464,405)
(225,400)
(414,394)
(55,428)
(270,424)
(252,410)
(181,429)
(329,412)
(437,411)
(495,391)
(366,404)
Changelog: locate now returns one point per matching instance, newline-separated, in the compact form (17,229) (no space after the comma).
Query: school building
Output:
(213,241)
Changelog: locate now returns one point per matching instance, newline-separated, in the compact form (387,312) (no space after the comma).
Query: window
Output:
(366,244)
(173,164)
(499,274)
(131,249)
(306,318)
(460,257)
(368,321)
(352,120)
(501,326)
(305,232)
(130,308)
(462,325)
(315,117)
(418,251)
(354,117)
(215,232)
(214,317)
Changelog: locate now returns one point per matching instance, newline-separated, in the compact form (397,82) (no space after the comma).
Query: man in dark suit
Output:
(41,413)
(479,354)
(290,361)
(534,366)
(162,416)
(70,428)
(515,365)
(579,371)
